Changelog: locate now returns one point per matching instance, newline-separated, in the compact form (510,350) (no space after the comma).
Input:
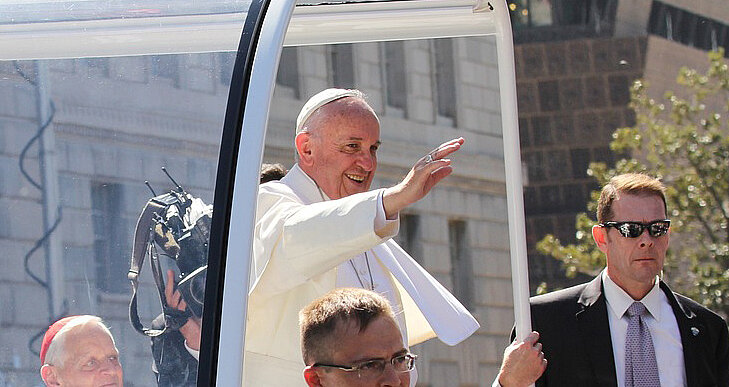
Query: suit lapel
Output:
(690,328)
(594,330)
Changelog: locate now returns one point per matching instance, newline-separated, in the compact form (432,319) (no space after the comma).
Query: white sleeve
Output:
(295,242)
(385,228)
(194,353)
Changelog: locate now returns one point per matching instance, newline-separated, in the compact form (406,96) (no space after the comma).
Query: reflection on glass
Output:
(424,92)
(112,124)
(288,71)
(111,247)
(33,11)
(341,62)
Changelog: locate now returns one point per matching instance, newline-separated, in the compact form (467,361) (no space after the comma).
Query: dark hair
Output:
(270,172)
(629,183)
(320,320)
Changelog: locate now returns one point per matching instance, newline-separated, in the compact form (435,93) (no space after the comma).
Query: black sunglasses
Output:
(655,228)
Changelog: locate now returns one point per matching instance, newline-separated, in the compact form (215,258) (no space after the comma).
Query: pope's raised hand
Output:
(422,177)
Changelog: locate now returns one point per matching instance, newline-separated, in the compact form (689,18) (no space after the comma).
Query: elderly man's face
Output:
(90,360)
(341,151)
(381,340)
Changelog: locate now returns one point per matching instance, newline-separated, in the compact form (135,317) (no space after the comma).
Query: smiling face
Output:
(90,360)
(634,263)
(339,149)
(380,340)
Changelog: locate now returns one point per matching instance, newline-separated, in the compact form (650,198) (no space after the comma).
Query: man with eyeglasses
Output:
(625,327)
(349,337)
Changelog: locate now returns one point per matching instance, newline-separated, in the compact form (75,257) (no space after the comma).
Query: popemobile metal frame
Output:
(268,27)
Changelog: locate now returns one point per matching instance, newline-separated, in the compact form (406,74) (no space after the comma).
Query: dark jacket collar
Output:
(594,329)
(678,307)
(692,331)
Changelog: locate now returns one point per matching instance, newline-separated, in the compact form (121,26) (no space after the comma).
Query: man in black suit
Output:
(584,330)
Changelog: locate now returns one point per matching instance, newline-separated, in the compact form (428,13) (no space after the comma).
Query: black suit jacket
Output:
(575,333)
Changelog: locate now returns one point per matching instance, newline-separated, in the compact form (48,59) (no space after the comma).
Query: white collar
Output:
(306,187)
(619,301)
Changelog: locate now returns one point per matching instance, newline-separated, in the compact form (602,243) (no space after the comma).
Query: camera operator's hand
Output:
(191,331)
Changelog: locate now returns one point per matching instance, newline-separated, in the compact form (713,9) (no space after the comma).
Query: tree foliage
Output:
(683,139)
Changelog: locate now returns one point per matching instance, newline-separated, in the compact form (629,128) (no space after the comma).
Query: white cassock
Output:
(305,246)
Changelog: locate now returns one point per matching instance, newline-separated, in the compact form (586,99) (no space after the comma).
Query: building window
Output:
(341,65)
(662,21)
(690,29)
(552,20)
(687,28)
(461,265)
(393,54)
(166,67)
(542,13)
(226,61)
(111,247)
(444,79)
(530,13)
(288,70)
(409,236)
(707,35)
(98,66)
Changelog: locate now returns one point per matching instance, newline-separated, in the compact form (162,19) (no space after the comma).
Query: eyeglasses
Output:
(372,369)
(655,228)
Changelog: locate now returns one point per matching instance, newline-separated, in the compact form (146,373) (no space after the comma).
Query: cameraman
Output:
(176,351)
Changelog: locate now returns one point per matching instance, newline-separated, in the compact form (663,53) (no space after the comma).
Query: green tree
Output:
(683,139)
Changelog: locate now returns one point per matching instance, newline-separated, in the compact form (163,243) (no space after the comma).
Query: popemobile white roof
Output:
(32,29)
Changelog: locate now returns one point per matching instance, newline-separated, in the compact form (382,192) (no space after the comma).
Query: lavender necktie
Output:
(641,369)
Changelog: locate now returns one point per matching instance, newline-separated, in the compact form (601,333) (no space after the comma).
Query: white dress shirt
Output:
(662,325)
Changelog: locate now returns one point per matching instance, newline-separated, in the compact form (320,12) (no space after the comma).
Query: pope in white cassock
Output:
(320,228)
